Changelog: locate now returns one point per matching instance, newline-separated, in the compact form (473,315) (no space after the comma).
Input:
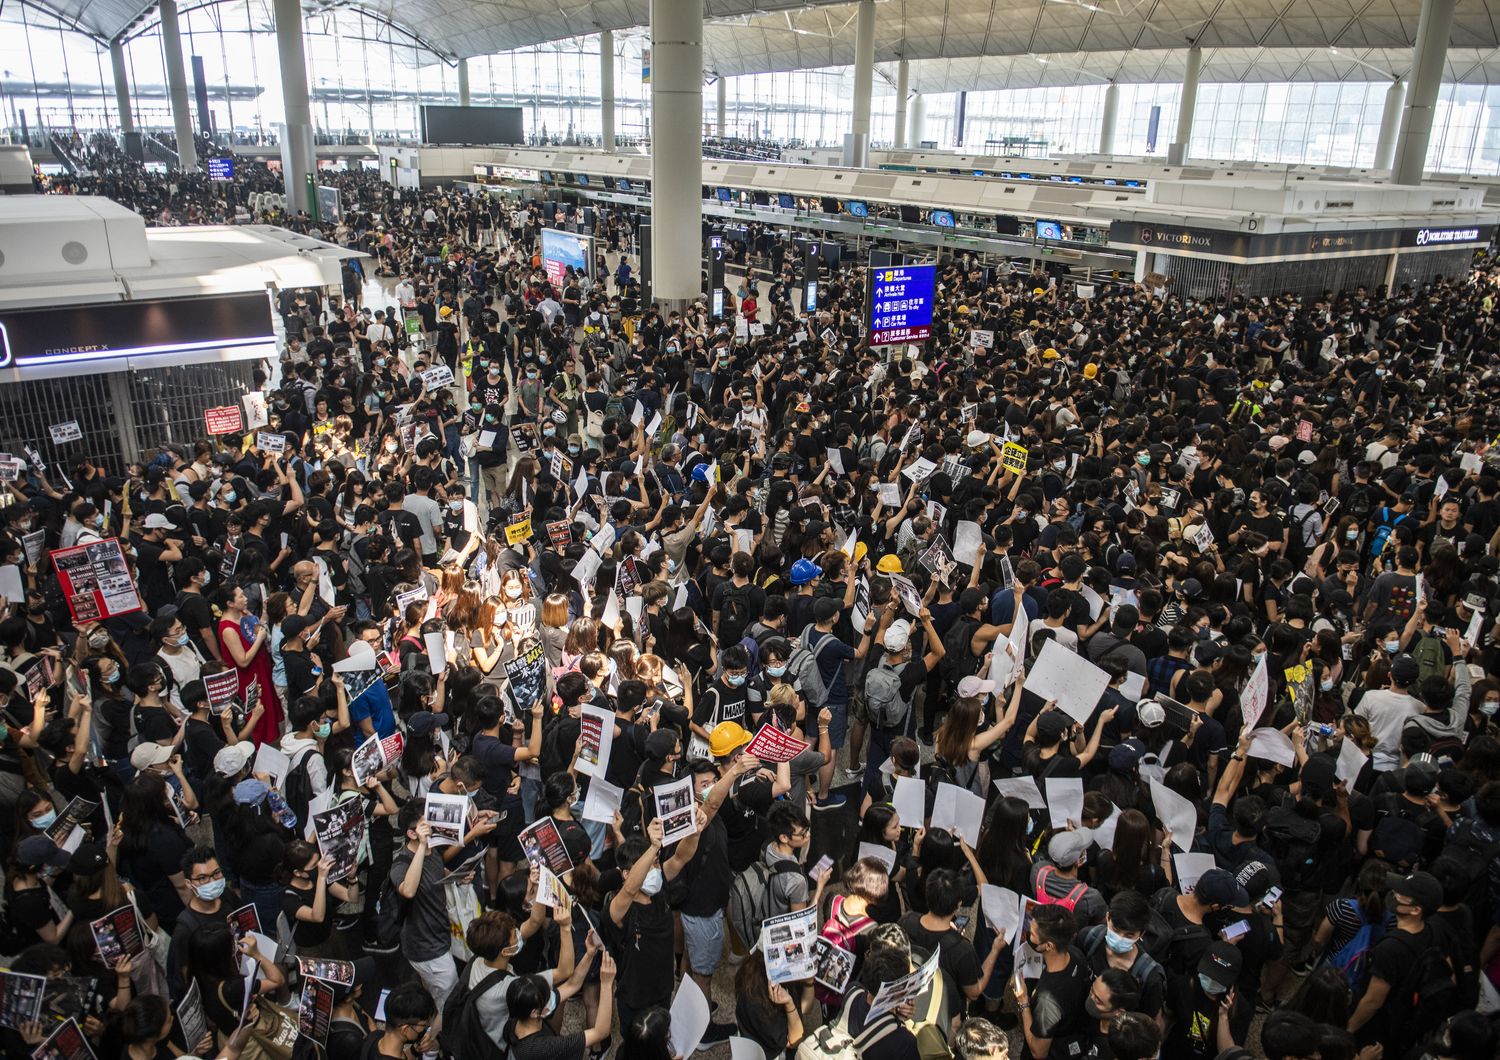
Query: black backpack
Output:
(734,613)
(463,1036)
(391,911)
(1293,841)
(1475,858)
(1397,838)
(297,789)
(958,661)
(1425,998)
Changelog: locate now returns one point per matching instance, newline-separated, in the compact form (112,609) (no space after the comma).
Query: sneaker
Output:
(716,1033)
(833,802)
(854,772)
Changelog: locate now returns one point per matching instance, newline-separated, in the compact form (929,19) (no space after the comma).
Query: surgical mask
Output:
(734,680)
(112,679)
(703,795)
(324,730)
(551,1004)
(44,822)
(1352,534)
(1489,707)
(652,882)
(456,506)
(1092,1009)
(1144,459)
(514,947)
(530,375)
(209,891)
(180,640)
(1209,987)
(776,671)
(1117,943)
(98,639)
(549,432)
(229,497)
(573,450)
(1326,684)
(1393,646)
(512,591)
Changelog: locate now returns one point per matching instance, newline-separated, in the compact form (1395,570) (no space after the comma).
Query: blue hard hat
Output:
(703,473)
(804,571)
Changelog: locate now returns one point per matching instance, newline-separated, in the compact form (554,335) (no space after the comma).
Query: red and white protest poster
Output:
(225,419)
(95,580)
(773,745)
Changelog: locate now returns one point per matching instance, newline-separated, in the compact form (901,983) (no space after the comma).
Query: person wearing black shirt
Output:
(153,551)
(1052,1012)
(302,670)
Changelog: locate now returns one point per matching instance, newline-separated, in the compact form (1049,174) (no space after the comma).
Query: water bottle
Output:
(284,815)
(1325,731)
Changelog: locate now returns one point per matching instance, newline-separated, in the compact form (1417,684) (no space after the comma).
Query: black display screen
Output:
(30,337)
(471,125)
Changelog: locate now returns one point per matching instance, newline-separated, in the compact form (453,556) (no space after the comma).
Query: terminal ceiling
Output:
(963,44)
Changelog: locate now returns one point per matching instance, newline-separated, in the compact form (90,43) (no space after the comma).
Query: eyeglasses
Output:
(218,874)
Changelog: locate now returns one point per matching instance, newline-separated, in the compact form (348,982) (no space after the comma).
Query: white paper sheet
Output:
(602,801)
(835,461)
(968,539)
(1175,813)
(910,800)
(885,855)
(1064,801)
(272,761)
(745,1049)
(1104,835)
(1272,745)
(437,651)
(1190,868)
(959,811)
(1351,762)
(1069,678)
(1022,788)
(1002,908)
(689,1017)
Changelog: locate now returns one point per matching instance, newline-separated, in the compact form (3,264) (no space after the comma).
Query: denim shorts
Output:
(704,938)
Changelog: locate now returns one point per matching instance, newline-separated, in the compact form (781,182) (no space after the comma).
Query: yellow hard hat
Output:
(1090,370)
(889,563)
(1049,354)
(963,309)
(1038,290)
(726,738)
(861,550)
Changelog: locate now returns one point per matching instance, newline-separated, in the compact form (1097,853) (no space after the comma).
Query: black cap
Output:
(1218,887)
(1222,963)
(1420,889)
(293,626)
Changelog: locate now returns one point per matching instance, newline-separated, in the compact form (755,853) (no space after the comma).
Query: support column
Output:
(676,151)
(1177,152)
(721,105)
(857,143)
(607,89)
(122,86)
(463,82)
(1111,119)
(296,135)
(182,118)
(903,87)
(1390,124)
(1428,59)
(918,121)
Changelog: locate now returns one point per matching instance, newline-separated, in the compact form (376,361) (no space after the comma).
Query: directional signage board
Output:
(901,303)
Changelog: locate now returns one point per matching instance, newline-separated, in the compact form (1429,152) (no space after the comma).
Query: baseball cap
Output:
(250,791)
(1065,848)
(1218,887)
(147,755)
(824,608)
(37,850)
(157,521)
(1420,889)
(425,721)
(293,626)
(1150,713)
(1222,962)
(1405,669)
(1318,776)
(88,859)
(1257,878)
(804,571)
(1126,755)
(972,686)
(726,738)
(228,761)
(1191,588)
(897,637)
(1053,724)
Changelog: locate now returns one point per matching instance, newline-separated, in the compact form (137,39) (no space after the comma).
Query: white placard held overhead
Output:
(910,801)
(1351,763)
(1253,698)
(1176,814)
(1190,869)
(1023,788)
(437,651)
(1067,677)
(959,811)
(835,461)
(1272,745)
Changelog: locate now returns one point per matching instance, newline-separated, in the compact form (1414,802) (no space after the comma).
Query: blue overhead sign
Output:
(901,303)
(220,168)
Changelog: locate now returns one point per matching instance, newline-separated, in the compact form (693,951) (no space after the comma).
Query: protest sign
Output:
(95,580)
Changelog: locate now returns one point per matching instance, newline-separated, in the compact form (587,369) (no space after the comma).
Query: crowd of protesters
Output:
(1122,671)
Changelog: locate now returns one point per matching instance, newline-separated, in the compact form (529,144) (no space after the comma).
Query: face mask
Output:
(1352,534)
(1058,465)
(1489,707)
(44,822)
(1326,685)
(573,450)
(530,375)
(1117,943)
(209,891)
(98,640)
(229,497)
(652,883)
(456,506)
(551,1005)
(1144,459)
(113,679)
(324,730)
(1092,1009)
(390,447)
(512,591)
(548,432)
(476,405)
(180,640)
(514,947)
(1392,646)
(776,671)
(735,680)
(1209,987)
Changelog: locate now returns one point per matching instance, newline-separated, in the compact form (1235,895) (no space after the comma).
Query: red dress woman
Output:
(252,661)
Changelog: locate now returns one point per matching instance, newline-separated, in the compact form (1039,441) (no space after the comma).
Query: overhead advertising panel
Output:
(562,249)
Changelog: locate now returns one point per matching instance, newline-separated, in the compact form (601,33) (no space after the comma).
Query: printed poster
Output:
(675,808)
(543,845)
(787,942)
(832,965)
(95,580)
(66,1043)
(526,675)
(773,745)
(596,738)
(315,1013)
(117,935)
(341,832)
